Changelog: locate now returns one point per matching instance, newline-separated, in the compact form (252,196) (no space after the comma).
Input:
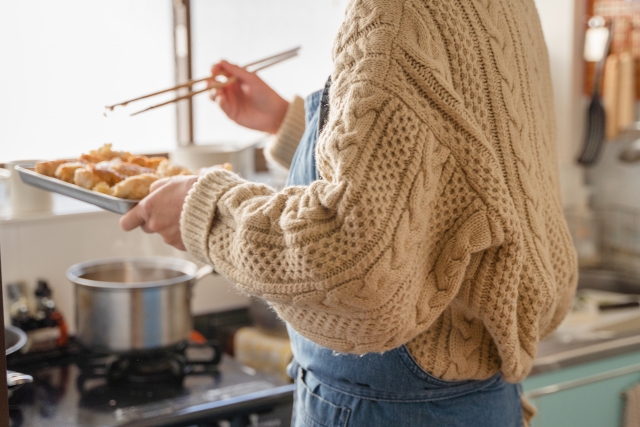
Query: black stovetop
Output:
(57,398)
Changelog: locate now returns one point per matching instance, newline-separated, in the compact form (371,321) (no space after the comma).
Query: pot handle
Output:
(202,272)
(15,379)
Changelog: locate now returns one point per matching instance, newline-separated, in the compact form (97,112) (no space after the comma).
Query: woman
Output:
(419,252)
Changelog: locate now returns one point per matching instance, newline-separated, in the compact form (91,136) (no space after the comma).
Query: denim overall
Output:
(388,389)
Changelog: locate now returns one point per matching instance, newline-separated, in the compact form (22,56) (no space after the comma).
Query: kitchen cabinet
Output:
(595,397)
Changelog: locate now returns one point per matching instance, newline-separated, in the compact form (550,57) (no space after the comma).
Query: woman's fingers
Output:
(136,217)
(233,70)
(157,184)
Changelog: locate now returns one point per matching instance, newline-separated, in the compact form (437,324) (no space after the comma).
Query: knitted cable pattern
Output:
(437,222)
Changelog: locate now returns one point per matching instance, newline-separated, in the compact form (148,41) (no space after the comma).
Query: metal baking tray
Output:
(106,202)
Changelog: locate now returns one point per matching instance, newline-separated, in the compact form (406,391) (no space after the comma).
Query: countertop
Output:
(554,354)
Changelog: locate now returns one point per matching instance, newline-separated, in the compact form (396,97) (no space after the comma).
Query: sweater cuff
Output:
(199,210)
(284,144)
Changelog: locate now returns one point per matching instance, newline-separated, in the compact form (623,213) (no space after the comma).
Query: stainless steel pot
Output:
(14,340)
(133,304)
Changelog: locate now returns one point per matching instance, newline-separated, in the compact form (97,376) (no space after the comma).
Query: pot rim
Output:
(188,268)
(22,339)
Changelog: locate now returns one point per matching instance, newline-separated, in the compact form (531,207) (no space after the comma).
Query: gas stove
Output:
(164,367)
(187,385)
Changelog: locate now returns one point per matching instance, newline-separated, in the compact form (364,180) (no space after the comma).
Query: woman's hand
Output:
(248,100)
(160,211)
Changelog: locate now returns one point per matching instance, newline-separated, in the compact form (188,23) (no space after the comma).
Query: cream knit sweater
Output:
(437,222)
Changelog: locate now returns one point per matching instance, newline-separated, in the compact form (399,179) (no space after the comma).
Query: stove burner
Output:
(164,366)
(167,369)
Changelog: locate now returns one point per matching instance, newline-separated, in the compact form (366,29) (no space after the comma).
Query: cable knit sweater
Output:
(437,222)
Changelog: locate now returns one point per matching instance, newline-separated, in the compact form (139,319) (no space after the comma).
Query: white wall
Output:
(242,31)
(64,60)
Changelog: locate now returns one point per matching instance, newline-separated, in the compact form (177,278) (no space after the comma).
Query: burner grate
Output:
(164,366)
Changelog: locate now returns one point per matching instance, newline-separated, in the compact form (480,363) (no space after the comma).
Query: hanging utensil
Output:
(596,116)
(611,96)
(627,85)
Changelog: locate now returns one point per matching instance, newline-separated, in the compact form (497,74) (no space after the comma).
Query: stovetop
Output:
(62,395)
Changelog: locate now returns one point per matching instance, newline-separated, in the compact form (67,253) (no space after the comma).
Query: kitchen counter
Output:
(554,354)
(583,371)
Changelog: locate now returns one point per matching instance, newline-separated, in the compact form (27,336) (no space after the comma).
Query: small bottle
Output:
(44,304)
(18,305)
(50,329)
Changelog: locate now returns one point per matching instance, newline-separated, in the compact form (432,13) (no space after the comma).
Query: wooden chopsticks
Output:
(252,67)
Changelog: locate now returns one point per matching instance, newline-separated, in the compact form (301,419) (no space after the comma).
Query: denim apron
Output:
(388,389)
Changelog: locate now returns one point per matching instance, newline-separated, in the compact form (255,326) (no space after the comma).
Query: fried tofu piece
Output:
(106,153)
(166,169)
(129,169)
(154,162)
(135,187)
(147,162)
(66,171)
(85,178)
(49,168)
(89,158)
(105,172)
(103,187)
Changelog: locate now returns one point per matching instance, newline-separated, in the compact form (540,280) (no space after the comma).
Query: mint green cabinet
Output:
(593,396)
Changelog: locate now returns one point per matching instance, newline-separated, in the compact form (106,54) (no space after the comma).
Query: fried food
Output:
(129,169)
(66,171)
(85,178)
(147,162)
(105,172)
(135,187)
(116,173)
(106,153)
(89,158)
(49,168)
(167,169)
(103,187)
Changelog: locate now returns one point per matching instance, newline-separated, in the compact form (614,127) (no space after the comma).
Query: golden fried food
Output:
(103,187)
(135,187)
(49,168)
(116,173)
(89,158)
(85,178)
(147,162)
(106,172)
(106,153)
(129,169)
(154,162)
(166,169)
(66,171)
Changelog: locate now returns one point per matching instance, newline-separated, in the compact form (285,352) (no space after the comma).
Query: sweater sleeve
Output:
(283,145)
(349,260)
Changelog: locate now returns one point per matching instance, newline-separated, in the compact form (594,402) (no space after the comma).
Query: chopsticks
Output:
(252,67)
